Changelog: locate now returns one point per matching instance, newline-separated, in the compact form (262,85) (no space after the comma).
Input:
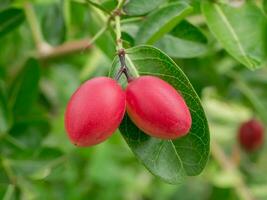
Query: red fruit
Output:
(95,111)
(251,135)
(157,108)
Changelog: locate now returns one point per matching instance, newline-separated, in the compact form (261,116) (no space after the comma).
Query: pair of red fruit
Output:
(97,108)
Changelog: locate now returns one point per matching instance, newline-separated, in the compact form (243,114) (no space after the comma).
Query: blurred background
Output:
(45,54)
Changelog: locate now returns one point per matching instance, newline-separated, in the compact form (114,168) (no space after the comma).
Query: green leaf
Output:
(141,7)
(53,17)
(188,31)
(265,6)
(30,132)
(109,5)
(161,21)
(169,160)
(105,42)
(25,88)
(10,19)
(184,41)
(179,48)
(241,40)
(5,115)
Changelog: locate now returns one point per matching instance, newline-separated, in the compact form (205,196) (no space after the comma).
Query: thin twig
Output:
(241,188)
(97,35)
(96,5)
(66,49)
(31,17)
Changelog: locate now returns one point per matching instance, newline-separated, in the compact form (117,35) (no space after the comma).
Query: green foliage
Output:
(214,43)
(24,91)
(184,41)
(265,6)
(240,40)
(10,19)
(141,7)
(54,18)
(170,160)
(161,21)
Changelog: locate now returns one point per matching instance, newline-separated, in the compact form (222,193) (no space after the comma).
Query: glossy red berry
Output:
(157,108)
(95,111)
(251,135)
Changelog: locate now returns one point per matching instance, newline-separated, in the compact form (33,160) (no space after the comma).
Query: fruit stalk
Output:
(120,50)
(240,186)
(123,69)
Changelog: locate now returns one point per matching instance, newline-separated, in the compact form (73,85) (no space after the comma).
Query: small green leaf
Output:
(25,88)
(105,42)
(54,18)
(241,40)
(141,7)
(109,5)
(30,132)
(10,19)
(170,160)
(5,114)
(161,21)
(188,31)
(265,6)
(184,41)
(179,48)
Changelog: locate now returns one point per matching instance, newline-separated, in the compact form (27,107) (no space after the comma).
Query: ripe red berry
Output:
(251,135)
(95,111)
(157,108)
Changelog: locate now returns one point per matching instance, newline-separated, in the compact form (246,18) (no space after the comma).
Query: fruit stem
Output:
(41,45)
(239,185)
(123,69)
(121,52)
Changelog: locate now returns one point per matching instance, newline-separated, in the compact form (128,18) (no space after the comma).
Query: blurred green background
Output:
(37,160)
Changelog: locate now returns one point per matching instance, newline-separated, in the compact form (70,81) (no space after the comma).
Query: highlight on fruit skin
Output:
(251,135)
(95,111)
(157,108)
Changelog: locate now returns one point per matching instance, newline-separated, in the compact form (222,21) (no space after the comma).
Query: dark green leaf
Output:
(104,42)
(53,24)
(265,6)
(128,40)
(179,48)
(10,19)
(184,41)
(161,21)
(169,160)
(5,115)
(30,132)
(188,31)
(140,7)
(109,5)
(241,40)
(25,88)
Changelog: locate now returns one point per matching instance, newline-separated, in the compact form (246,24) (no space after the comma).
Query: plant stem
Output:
(96,5)
(120,50)
(118,33)
(11,176)
(241,188)
(132,19)
(9,193)
(66,49)
(34,26)
(97,35)
(117,13)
